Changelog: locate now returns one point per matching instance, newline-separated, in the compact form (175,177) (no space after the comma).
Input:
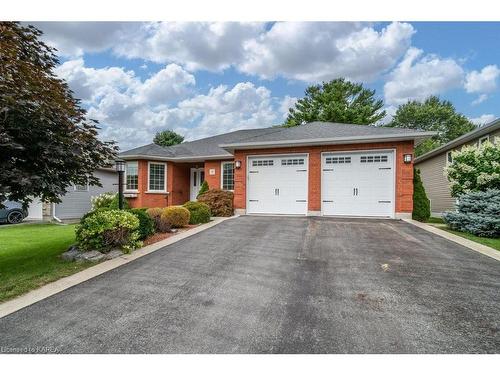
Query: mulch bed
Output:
(161,236)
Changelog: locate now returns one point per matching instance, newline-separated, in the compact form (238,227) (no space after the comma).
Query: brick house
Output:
(312,169)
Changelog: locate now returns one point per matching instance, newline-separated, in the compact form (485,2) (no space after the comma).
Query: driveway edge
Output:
(57,286)
(483,249)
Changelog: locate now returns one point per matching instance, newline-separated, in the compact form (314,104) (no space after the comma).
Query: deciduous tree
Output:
(46,141)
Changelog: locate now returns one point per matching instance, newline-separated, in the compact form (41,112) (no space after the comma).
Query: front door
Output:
(197,178)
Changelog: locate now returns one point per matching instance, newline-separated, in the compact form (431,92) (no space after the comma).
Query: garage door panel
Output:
(277,185)
(358,184)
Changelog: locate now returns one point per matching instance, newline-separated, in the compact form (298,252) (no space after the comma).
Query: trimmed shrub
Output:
(219,201)
(421,204)
(477,213)
(200,212)
(146,224)
(203,189)
(160,223)
(106,229)
(107,200)
(176,216)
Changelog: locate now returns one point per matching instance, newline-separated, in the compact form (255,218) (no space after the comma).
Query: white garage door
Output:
(358,184)
(277,184)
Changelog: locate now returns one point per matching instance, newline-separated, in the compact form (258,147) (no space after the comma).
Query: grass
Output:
(29,257)
(435,220)
(491,242)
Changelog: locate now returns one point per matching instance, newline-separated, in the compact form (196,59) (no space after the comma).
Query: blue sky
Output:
(202,79)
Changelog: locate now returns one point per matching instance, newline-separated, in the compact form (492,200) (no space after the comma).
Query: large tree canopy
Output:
(46,141)
(432,115)
(337,101)
(168,138)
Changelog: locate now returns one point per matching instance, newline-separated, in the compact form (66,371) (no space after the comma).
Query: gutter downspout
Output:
(54,213)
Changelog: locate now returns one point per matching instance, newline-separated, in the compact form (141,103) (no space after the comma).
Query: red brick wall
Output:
(178,185)
(213,181)
(404,172)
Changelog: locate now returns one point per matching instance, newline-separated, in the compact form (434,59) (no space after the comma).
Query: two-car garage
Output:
(360,183)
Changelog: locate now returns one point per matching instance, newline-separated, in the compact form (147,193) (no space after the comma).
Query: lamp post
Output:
(120,168)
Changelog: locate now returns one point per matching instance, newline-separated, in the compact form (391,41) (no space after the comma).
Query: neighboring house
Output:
(433,164)
(312,169)
(76,202)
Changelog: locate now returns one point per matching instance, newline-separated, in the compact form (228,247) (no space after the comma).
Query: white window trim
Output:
(81,191)
(486,137)
(222,173)
(149,169)
(133,190)
(447,160)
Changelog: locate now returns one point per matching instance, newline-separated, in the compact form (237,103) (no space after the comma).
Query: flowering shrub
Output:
(477,213)
(106,229)
(107,200)
(474,169)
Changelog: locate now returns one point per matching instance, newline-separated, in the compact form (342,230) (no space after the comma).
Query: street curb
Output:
(483,249)
(57,286)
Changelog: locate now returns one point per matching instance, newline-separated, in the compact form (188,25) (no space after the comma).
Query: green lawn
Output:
(29,257)
(491,242)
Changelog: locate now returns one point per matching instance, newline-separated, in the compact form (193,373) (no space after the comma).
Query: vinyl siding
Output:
(435,182)
(77,203)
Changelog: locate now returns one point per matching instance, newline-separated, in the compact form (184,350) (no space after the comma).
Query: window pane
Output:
(157,177)
(132,176)
(228,176)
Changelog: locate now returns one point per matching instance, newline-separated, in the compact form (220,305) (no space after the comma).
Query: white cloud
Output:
(314,51)
(481,98)
(196,45)
(89,84)
(482,82)
(483,119)
(131,110)
(244,106)
(417,77)
(170,83)
(307,51)
(287,103)
(73,39)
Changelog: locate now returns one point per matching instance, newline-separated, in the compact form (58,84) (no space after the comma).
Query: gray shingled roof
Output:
(467,137)
(210,147)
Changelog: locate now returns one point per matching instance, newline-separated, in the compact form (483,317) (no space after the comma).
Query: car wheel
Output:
(15,217)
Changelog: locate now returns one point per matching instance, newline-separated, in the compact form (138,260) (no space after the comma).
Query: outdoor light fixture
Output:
(407,158)
(237,164)
(120,165)
(120,168)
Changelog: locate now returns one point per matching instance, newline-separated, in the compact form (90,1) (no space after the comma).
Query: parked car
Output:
(13,213)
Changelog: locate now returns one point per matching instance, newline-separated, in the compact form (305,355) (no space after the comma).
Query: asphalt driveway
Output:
(279,285)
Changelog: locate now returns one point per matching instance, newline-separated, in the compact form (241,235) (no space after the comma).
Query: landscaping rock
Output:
(71,254)
(113,254)
(91,256)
